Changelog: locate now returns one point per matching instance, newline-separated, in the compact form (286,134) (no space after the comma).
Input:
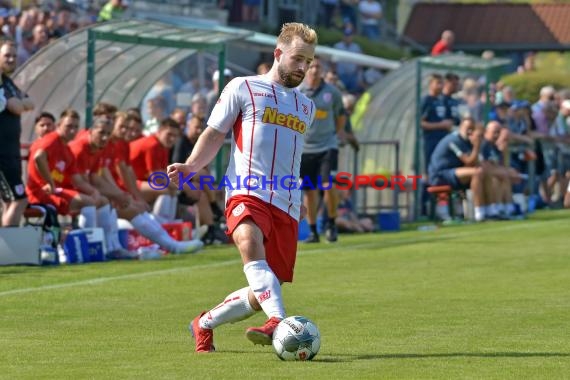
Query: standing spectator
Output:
(445,44)
(370,16)
(11,186)
(40,37)
(327,12)
(62,24)
(538,109)
(434,121)
(319,161)
(450,87)
(349,73)
(348,12)
(25,49)
(250,10)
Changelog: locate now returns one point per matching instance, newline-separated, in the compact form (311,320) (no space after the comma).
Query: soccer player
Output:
(269,117)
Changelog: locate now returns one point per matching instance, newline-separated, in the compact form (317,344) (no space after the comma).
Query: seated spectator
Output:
(90,156)
(44,124)
(455,163)
(179,116)
(347,220)
(208,208)
(500,176)
(157,111)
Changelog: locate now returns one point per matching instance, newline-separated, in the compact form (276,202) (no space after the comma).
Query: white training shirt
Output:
(268,122)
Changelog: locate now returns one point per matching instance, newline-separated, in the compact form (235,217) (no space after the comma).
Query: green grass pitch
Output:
(485,301)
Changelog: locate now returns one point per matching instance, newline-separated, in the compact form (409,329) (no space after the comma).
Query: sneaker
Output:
(204,337)
(313,238)
(215,236)
(189,246)
(263,335)
(331,234)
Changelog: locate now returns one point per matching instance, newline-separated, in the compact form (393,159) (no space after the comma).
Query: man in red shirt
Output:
(53,178)
(149,155)
(445,44)
(92,159)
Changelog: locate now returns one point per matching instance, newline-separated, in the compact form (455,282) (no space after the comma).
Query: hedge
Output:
(527,85)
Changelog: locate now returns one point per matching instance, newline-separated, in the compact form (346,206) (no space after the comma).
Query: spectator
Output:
(44,124)
(112,10)
(320,155)
(370,16)
(500,177)
(179,116)
(348,12)
(434,118)
(157,111)
(327,12)
(452,104)
(538,109)
(25,49)
(212,96)
(62,24)
(208,209)
(263,68)
(40,37)
(250,10)
(332,78)
(349,73)
(16,103)
(349,101)
(445,44)
(455,163)
(198,107)
(347,220)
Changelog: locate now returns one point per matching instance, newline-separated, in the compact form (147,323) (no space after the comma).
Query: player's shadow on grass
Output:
(347,358)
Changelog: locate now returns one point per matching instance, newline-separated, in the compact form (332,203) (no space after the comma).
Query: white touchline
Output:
(423,238)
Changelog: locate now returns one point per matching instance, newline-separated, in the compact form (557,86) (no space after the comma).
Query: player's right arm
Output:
(41,161)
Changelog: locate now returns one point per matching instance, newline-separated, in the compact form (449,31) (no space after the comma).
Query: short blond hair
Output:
(296,29)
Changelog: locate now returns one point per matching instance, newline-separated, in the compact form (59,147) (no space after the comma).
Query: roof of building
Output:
(492,26)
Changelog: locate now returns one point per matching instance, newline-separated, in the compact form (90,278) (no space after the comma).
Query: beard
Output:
(288,79)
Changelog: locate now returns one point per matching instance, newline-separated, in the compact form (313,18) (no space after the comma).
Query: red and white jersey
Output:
(268,122)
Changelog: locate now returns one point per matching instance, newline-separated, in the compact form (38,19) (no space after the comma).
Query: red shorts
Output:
(60,200)
(280,231)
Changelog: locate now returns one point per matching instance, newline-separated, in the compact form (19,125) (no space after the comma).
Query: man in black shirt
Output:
(12,189)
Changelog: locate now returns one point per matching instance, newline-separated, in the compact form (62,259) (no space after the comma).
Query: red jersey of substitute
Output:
(62,167)
(147,155)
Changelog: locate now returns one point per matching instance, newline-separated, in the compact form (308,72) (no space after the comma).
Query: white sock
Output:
(479,213)
(87,217)
(114,237)
(104,221)
(234,308)
(162,207)
(152,230)
(265,287)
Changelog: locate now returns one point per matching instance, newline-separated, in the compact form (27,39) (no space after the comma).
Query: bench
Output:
(442,193)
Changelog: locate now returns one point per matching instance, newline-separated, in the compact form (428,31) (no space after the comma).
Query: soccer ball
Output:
(296,338)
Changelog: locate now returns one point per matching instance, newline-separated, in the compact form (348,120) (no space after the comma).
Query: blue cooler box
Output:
(76,247)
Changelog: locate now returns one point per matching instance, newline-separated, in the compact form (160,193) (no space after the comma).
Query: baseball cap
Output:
(216,75)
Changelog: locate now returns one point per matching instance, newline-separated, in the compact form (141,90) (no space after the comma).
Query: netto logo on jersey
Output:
(273,116)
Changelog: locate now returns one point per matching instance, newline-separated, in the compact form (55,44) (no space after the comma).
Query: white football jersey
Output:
(268,123)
